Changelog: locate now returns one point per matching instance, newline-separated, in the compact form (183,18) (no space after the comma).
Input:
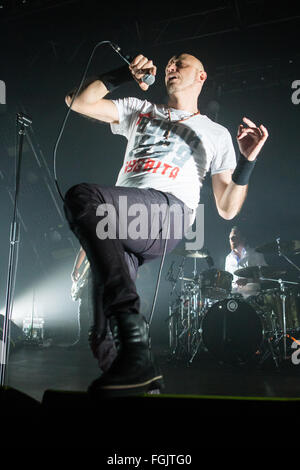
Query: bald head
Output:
(182,71)
(188,58)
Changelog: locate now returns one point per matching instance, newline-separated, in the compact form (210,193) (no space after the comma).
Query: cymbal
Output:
(286,247)
(191,253)
(255,272)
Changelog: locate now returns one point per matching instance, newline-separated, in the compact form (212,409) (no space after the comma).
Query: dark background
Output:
(250,50)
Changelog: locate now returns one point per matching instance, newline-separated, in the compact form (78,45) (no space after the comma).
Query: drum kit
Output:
(206,315)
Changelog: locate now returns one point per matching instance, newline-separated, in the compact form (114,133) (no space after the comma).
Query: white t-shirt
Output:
(177,164)
(249,257)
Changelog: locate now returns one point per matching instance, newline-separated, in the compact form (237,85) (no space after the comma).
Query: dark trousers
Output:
(115,260)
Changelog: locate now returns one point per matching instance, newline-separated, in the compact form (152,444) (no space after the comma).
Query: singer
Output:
(170,149)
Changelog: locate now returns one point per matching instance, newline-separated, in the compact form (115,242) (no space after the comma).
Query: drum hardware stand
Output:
(283,299)
(170,277)
(195,268)
(270,352)
(279,333)
(197,330)
(199,343)
(273,352)
(282,290)
(284,256)
(173,336)
(183,321)
(24,122)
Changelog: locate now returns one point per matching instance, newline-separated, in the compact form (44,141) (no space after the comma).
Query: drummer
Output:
(242,256)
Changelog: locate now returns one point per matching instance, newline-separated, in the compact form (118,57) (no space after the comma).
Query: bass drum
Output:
(233,332)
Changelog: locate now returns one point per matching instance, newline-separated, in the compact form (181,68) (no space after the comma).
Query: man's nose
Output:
(171,67)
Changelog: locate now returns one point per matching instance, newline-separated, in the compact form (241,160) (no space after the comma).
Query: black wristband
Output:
(111,80)
(116,78)
(86,83)
(243,170)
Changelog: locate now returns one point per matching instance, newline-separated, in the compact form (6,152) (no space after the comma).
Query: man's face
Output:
(182,72)
(235,240)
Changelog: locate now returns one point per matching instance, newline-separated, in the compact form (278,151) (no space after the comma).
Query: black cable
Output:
(161,264)
(68,112)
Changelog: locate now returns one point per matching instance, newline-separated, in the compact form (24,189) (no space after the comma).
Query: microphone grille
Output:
(148,79)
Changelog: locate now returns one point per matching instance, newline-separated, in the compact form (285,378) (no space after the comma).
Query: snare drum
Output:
(215,284)
(232,331)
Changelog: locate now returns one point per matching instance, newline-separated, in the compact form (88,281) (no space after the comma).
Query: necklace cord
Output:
(179,120)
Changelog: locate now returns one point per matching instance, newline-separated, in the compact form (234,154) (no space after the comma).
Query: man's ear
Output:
(202,76)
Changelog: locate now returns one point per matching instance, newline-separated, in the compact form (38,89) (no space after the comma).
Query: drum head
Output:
(232,331)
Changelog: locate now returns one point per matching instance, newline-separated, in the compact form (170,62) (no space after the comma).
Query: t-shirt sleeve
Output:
(225,158)
(128,109)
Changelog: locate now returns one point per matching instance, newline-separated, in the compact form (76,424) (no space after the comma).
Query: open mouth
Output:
(172,78)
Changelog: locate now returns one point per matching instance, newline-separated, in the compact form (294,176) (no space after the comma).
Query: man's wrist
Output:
(243,171)
(115,78)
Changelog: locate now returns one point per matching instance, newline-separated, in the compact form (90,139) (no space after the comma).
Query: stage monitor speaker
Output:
(163,423)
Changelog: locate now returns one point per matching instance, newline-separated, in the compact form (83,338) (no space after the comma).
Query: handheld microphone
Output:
(148,78)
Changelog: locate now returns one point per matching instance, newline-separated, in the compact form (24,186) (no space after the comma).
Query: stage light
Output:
(48,300)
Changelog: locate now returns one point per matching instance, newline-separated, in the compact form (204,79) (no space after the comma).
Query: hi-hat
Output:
(255,272)
(291,247)
(191,253)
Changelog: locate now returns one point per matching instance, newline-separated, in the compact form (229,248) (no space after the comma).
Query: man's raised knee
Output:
(74,191)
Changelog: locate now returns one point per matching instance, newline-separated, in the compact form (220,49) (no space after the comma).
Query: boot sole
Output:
(131,386)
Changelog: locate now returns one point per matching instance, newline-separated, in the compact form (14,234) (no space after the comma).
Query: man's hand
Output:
(251,139)
(141,66)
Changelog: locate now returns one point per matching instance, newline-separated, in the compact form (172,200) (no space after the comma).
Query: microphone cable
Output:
(161,261)
(62,128)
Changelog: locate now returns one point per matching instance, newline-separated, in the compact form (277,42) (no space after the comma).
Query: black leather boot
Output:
(133,371)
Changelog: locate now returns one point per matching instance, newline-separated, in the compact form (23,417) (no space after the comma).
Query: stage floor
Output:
(33,370)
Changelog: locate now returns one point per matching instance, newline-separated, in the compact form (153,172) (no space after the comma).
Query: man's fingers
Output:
(140,62)
(153,70)
(137,59)
(249,122)
(246,131)
(256,137)
(260,131)
(141,66)
(264,131)
(143,86)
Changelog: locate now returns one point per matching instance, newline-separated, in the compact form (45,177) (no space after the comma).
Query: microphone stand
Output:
(24,122)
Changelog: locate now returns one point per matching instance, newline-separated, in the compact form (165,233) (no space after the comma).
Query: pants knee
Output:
(85,193)
(75,191)
(77,199)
